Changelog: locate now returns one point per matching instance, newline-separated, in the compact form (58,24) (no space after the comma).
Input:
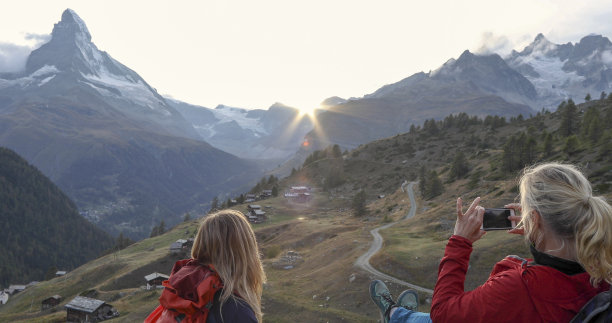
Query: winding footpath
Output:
(363,261)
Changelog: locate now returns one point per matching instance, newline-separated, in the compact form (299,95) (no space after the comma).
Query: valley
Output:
(326,285)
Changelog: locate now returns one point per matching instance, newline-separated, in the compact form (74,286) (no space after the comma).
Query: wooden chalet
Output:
(85,309)
(255,214)
(265,194)
(155,279)
(60,273)
(300,194)
(181,245)
(14,289)
(50,302)
(253,207)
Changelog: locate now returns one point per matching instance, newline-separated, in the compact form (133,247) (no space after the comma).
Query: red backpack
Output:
(188,294)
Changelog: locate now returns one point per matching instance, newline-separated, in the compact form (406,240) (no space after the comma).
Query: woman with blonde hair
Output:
(222,282)
(569,232)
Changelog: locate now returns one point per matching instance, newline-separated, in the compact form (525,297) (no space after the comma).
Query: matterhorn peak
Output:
(71,27)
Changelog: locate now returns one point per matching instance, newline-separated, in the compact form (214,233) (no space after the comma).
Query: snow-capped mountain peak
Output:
(71,60)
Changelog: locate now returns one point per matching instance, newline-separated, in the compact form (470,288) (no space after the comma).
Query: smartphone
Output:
(497,219)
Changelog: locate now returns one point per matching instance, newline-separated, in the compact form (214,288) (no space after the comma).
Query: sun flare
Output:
(307,110)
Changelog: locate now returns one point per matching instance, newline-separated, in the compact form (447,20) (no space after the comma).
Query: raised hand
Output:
(469,224)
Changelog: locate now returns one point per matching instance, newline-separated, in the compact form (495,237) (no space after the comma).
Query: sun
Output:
(307,110)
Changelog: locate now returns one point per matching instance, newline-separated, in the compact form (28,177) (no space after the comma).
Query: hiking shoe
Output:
(380,295)
(409,300)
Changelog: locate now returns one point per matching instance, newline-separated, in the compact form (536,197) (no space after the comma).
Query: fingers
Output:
(520,231)
(459,207)
(473,206)
(515,218)
(515,206)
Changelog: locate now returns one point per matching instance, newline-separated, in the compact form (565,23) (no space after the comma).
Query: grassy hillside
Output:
(326,286)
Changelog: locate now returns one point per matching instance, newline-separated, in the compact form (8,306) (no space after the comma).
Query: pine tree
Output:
(359,203)
(569,119)
(275,191)
(434,187)
(548,145)
(592,126)
(460,166)
(423,180)
(605,150)
(186,217)
(214,204)
(571,144)
(336,151)
(587,98)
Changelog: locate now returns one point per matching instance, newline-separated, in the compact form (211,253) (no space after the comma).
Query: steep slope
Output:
(100,132)
(41,226)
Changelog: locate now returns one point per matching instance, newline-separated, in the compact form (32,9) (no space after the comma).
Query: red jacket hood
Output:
(191,287)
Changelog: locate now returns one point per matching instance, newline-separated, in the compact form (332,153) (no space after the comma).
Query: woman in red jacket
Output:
(570,235)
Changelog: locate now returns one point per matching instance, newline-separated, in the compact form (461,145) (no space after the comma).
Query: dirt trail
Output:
(363,261)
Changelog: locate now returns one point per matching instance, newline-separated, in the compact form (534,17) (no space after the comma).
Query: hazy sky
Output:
(251,54)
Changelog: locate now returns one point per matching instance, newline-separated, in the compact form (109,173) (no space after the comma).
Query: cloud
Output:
(39,39)
(606,58)
(13,57)
(493,44)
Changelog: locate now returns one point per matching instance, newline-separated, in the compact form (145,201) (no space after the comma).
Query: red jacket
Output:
(188,294)
(516,291)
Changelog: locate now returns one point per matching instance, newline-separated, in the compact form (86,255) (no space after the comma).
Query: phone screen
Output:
(497,219)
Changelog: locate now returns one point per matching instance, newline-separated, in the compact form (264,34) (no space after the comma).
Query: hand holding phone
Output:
(497,219)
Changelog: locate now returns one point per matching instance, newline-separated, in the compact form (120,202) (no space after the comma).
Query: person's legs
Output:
(404,311)
(403,315)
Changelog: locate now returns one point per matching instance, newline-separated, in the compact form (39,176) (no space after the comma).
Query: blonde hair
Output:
(563,197)
(225,240)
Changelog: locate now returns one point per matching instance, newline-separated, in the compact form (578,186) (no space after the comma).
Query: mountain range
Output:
(540,76)
(107,138)
(255,134)
(130,157)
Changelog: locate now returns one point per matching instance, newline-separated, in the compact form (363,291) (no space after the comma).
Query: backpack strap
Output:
(600,304)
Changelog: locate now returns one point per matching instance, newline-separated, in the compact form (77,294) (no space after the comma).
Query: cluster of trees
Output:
(577,130)
(460,121)
(41,227)
(459,167)
(430,184)
(265,183)
(330,152)
(159,229)
(519,151)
